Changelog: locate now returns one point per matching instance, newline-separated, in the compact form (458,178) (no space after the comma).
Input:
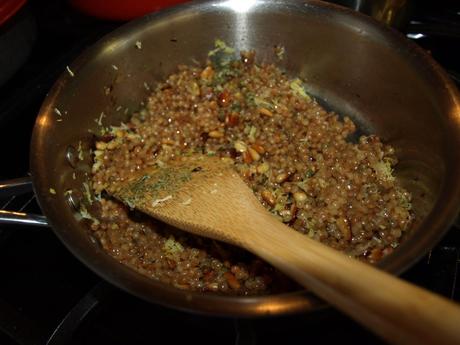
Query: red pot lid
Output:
(8,8)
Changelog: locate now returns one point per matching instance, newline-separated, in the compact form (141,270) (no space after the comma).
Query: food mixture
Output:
(297,157)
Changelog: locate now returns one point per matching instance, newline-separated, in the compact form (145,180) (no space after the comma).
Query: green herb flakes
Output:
(297,87)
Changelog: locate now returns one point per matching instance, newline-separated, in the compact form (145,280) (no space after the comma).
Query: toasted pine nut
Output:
(232,281)
(100,145)
(207,73)
(265,111)
(263,168)
(254,154)
(376,254)
(344,228)
(216,134)
(232,120)
(268,197)
(247,157)
(240,146)
(259,148)
(300,197)
(280,178)
(113,144)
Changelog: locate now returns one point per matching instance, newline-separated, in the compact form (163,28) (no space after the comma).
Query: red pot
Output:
(121,9)
(8,8)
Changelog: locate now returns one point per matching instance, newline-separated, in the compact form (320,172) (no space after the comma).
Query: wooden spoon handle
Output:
(396,310)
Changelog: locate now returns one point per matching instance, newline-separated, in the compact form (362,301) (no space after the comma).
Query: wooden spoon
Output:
(205,196)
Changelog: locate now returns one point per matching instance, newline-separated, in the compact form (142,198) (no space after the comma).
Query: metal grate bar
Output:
(10,200)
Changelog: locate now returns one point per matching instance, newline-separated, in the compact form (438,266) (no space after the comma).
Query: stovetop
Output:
(48,297)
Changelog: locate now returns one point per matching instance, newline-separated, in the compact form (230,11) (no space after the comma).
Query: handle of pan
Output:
(14,187)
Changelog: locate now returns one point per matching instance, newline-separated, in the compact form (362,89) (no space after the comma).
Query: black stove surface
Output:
(48,297)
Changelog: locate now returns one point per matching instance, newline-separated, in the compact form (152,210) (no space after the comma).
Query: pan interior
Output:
(349,63)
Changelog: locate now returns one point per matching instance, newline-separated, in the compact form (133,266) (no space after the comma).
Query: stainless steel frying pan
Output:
(350,63)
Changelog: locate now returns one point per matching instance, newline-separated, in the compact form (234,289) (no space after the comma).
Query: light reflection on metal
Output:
(279,307)
(44,120)
(415,36)
(112,46)
(239,6)
(456,115)
(242,9)
(20,218)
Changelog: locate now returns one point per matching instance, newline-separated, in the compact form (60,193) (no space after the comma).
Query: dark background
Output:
(47,295)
